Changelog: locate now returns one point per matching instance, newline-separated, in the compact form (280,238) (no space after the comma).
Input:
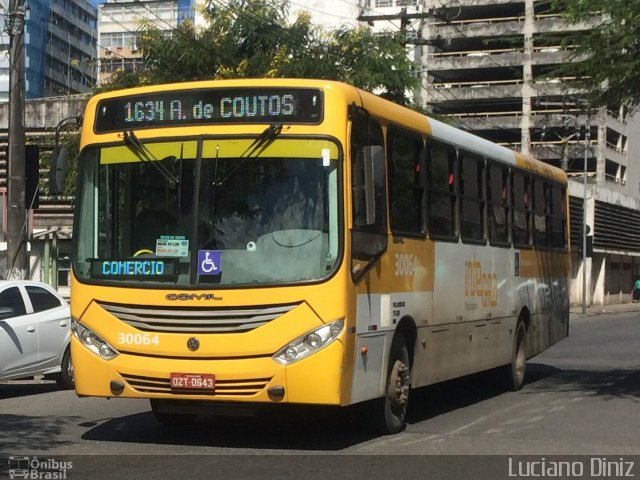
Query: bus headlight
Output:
(92,341)
(309,343)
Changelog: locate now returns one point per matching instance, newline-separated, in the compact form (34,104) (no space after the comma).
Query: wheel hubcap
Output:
(398,388)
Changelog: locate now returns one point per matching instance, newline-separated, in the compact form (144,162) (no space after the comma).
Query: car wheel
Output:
(65,378)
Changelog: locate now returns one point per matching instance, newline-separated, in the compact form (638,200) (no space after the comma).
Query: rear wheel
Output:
(515,372)
(389,413)
(65,378)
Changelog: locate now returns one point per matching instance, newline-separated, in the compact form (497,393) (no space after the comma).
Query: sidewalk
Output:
(576,311)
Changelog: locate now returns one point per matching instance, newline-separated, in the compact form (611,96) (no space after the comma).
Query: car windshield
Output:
(213,211)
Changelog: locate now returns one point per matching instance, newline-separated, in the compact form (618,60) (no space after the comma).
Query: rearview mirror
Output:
(370,165)
(58,171)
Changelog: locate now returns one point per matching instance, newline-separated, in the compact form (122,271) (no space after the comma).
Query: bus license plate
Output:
(193,381)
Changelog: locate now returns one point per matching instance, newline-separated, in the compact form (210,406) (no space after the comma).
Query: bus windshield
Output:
(208,211)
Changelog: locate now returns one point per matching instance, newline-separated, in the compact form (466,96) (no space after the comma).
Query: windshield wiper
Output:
(263,140)
(144,154)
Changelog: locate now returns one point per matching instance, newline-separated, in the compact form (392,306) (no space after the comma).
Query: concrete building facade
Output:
(489,64)
(60,48)
(119,26)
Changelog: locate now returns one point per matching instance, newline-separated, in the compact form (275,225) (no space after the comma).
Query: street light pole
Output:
(16,211)
(587,141)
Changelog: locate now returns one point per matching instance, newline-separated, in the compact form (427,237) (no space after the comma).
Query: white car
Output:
(35,328)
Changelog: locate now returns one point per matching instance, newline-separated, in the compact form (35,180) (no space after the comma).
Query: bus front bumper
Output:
(312,380)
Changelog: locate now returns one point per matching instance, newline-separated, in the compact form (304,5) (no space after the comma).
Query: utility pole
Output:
(587,144)
(16,212)
(404,18)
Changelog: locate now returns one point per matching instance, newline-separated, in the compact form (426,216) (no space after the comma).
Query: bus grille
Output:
(195,319)
(244,387)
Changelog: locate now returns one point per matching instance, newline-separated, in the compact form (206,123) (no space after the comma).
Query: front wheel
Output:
(390,412)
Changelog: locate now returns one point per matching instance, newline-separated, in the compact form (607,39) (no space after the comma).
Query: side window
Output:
(540,211)
(406,181)
(471,197)
(369,199)
(442,190)
(11,303)
(41,299)
(558,218)
(366,132)
(498,205)
(521,210)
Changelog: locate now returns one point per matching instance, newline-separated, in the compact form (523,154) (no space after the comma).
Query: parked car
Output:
(35,328)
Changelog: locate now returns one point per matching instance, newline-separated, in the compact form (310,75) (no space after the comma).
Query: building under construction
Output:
(491,64)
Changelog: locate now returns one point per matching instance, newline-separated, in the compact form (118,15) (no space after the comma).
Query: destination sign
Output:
(133,268)
(209,106)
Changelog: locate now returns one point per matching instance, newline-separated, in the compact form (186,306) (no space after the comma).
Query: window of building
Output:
(3,203)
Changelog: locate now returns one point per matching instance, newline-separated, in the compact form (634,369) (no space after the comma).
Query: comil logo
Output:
(38,468)
(191,296)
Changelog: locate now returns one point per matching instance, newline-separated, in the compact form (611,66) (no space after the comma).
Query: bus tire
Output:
(390,411)
(170,420)
(65,379)
(515,371)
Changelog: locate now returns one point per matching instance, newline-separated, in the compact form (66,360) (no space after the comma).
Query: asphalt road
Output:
(581,397)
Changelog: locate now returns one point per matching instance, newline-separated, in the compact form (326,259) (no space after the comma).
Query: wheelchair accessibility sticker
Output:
(209,262)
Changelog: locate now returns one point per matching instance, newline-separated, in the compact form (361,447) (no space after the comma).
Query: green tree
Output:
(254,38)
(605,58)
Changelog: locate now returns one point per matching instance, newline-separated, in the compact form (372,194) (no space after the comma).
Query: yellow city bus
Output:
(244,243)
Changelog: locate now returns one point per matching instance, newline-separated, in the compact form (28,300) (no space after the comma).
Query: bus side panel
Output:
(369,374)
(455,350)
(399,288)
(473,313)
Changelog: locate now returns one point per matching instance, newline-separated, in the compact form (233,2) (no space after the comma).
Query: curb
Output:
(605,309)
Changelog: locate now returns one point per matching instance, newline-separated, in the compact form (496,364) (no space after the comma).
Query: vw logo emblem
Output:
(193,344)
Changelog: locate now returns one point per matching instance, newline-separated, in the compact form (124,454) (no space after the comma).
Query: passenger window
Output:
(41,299)
(11,303)
(471,197)
(406,181)
(442,191)
(498,209)
(521,210)
(540,211)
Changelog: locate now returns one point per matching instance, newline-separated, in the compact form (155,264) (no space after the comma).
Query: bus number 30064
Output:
(405,264)
(138,339)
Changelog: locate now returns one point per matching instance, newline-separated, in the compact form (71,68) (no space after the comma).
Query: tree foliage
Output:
(605,58)
(254,38)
